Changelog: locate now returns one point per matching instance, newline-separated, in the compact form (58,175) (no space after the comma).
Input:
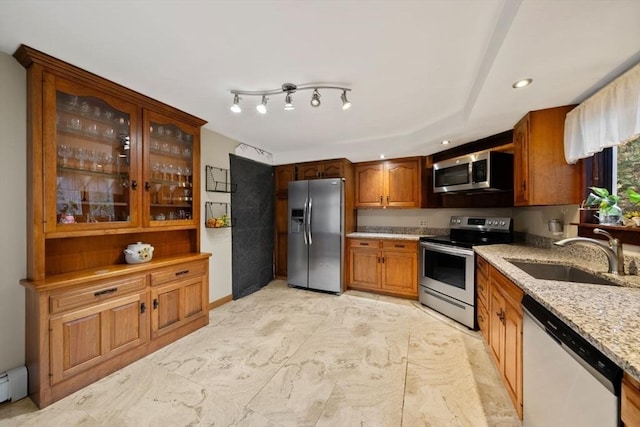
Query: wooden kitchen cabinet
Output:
(384,266)
(538,145)
(178,295)
(283,175)
(482,292)
(630,401)
(85,337)
(324,169)
(505,333)
(389,184)
(107,167)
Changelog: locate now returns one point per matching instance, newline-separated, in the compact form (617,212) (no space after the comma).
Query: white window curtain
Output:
(608,118)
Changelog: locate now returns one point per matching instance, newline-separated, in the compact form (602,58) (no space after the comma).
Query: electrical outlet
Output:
(422,223)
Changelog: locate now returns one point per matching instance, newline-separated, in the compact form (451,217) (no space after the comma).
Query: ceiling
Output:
(420,71)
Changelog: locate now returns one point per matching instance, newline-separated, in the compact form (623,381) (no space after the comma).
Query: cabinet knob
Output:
(147,185)
(134,184)
(388,198)
(155,303)
(380,199)
(143,307)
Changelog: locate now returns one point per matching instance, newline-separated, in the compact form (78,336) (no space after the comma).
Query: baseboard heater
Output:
(13,384)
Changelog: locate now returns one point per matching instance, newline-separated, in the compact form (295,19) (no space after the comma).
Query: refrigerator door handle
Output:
(309,220)
(304,222)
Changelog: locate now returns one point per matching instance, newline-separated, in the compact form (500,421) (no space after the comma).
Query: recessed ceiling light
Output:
(382,156)
(445,142)
(522,83)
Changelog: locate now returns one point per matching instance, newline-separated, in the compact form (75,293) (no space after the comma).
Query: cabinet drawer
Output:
(178,272)
(512,293)
(364,243)
(482,266)
(100,292)
(400,245)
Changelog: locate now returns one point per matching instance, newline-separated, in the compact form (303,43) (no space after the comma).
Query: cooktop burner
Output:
(469,231)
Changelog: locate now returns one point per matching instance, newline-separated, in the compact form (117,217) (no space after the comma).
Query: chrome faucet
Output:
(613,250)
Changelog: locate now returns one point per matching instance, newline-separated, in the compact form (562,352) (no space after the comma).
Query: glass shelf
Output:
(219,180)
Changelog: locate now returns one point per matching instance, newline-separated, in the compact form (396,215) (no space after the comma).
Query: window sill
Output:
(629,235)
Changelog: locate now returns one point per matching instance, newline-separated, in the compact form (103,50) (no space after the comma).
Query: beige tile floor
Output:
(290,357)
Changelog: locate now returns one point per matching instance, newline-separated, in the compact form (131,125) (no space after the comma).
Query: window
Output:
(625,172)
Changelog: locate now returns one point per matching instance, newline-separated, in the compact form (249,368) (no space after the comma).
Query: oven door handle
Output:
(447,249)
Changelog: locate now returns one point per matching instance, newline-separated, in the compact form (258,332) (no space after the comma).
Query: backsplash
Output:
(422,231)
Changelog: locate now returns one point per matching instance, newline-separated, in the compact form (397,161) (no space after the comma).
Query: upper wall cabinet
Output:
(284,174)
(324,169)
(541,174)
(389,184)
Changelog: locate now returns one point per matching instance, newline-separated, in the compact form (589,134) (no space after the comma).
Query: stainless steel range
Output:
(447,267)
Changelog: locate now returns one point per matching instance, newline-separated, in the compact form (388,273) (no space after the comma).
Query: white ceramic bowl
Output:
(137,253)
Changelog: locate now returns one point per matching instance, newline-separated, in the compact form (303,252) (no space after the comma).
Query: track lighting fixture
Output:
(236,104)
(345,102)
(288,89)
(262,107)
(315,98)
(288,105)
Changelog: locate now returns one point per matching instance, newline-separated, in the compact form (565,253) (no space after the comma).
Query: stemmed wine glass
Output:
(187,174)
(65,152)
(172,188)
(81,155)
(155,168)
(85,180)
(158,188)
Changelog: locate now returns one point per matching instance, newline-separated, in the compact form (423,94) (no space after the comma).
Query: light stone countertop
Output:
(606,316)
(390,236)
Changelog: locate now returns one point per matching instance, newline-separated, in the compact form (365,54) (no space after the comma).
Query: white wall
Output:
(215,150)
(13,265)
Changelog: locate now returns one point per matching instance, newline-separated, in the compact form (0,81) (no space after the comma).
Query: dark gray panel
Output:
(252,207)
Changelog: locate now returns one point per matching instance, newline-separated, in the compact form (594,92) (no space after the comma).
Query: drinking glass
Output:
(65,152)
(155,168)
(158,188)
(187,174)
(172,188)
(85,180)
(81,155)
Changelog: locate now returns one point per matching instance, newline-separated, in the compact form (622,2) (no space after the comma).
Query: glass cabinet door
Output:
(92,154)
(171,174)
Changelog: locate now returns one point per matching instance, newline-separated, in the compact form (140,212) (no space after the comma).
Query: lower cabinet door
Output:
(399,272)
(496,328)
(513,355)
(176,303)
(364,268)
(83,338)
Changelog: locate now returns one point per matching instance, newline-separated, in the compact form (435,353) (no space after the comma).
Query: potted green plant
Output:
(609,213)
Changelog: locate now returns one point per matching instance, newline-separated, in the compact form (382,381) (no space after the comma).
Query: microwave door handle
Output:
(304,222)
(309,220)
(448,250)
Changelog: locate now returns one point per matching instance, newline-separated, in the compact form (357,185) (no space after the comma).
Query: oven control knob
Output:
(503,223)
(490,222)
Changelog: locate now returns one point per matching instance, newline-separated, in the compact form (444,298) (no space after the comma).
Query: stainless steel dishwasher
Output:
(566,381)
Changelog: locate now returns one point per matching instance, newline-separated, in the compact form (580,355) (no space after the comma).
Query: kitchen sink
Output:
(564,273)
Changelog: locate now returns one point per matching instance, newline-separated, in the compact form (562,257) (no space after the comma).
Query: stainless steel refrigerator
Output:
(316,229)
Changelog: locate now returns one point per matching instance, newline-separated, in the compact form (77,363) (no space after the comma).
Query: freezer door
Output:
(297,249)
(325,241)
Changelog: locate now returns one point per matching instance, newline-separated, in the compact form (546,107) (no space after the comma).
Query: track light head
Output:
(288,105)
(315,98)
(236,104)
(345,102)
(262,107)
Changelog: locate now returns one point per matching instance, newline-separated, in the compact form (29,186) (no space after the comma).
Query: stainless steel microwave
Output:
(484,170)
